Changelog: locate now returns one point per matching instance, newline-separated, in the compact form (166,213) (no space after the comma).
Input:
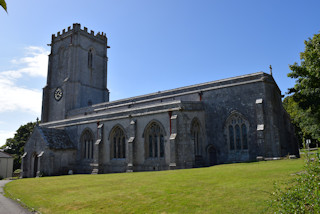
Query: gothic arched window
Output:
(154,141)
(237,132)
(87,144)
(196,137)
(117,143)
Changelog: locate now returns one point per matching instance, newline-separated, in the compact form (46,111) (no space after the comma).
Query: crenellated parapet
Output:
(76,28)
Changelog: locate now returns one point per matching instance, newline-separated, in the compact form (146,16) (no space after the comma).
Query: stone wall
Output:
(255,98)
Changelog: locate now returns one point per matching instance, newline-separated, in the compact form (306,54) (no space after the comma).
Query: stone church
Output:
(81,131)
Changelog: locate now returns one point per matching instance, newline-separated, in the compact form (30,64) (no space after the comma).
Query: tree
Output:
(3,5)
(306,91)
(306,126)
(15,145)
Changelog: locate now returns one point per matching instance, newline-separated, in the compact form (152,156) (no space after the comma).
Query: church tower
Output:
(77,73)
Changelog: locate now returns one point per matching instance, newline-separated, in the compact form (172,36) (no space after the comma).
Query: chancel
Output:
(231,120)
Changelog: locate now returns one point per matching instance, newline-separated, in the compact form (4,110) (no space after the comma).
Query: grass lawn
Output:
(229,188)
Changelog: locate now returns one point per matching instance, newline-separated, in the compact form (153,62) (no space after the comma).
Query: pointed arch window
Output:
(196,137)
(118,143)
(237,132)
(154,145)
(87,144)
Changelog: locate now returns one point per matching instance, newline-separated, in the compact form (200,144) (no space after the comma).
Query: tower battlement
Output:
(77,72)
(77,28)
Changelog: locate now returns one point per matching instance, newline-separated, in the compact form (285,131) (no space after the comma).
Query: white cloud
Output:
(35,63)
(4,135)
(13,97)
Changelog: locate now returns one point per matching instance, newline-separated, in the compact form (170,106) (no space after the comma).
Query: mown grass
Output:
(230,188)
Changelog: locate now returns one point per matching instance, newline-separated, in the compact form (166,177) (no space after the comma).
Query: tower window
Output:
(90,58)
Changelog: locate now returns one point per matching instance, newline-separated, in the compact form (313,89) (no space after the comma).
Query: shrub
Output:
(17,171)
(301,194)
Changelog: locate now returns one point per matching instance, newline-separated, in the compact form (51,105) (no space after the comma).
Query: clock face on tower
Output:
(58,94)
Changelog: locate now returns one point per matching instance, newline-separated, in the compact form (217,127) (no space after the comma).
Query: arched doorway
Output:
(35,165)
(212,154)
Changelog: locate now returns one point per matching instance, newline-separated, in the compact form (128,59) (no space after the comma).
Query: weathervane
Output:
(270,69)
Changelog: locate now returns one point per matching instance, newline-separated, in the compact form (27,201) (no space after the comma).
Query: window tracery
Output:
(154,141)
(87,144)
(118,143)
(237,132)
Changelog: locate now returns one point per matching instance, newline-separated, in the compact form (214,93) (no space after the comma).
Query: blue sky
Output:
(155,45)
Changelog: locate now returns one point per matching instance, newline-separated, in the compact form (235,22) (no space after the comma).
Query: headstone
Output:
(260,158)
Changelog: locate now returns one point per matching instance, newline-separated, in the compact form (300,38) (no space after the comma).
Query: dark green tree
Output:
(306,91)
(15,145)
(3,5)
(304,123)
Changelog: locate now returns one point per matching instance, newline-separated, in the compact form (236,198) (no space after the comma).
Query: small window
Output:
(90,58)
